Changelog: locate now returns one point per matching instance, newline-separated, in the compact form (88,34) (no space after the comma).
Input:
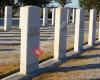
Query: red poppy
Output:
(38,52)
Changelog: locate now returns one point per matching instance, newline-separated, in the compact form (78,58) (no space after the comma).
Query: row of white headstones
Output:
(30,34)
(70,12)
(8,17)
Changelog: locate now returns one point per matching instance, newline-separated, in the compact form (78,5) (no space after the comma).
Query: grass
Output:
(8,70)
(84,67)
(13,29)
(13,68)
(1,30)
(72,75)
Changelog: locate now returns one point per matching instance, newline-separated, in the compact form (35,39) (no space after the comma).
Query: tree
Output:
(4,3)
(90,4)
(39,3)
(63,2)
(16,6)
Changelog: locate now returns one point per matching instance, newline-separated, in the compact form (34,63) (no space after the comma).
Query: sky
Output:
(75,3)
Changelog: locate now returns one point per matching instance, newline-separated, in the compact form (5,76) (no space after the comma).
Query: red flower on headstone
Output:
(38,52)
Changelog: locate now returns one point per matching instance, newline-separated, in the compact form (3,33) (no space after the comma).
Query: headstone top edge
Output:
(30,7)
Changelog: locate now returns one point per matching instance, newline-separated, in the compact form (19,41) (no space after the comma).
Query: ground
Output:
(86,66)
(10,59)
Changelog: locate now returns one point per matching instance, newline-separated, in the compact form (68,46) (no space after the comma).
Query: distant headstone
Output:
(79,30)
(45,16)
(53,16)
(92,27)
(99,26)
(8,17)
(60,33)
(68,15)
(73,15)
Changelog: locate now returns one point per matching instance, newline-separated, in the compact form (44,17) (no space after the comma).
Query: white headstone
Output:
(73,15)
(92,27)
(99,27)
(8,17)
(30,35)
(68,15)
(53,16)
(79,30)
(60,33)
(21,15)
(45,16)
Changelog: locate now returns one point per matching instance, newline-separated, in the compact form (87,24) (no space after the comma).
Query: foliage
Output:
(39,3)
(3,3)
(64,2)
(90,4)
(16,6)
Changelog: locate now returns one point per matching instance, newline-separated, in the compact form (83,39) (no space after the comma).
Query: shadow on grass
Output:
(55,67)
(88,56)
(61,69)
(10,73)
(95,79)
(75,68)
(7,49)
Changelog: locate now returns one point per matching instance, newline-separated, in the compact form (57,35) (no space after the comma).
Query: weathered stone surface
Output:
(30,35)
(79,30)
(73,15)
(53,16)
(60,33)
(92,27)
(45,16)
(8,17)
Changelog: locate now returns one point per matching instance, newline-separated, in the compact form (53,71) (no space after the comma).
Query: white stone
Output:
(99,27)
(60,33)
(73,15)
(53,16)
(21,15)
(45,16)
(30,35)
(92,27)
(79,30)
(8,17)
(68,15)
